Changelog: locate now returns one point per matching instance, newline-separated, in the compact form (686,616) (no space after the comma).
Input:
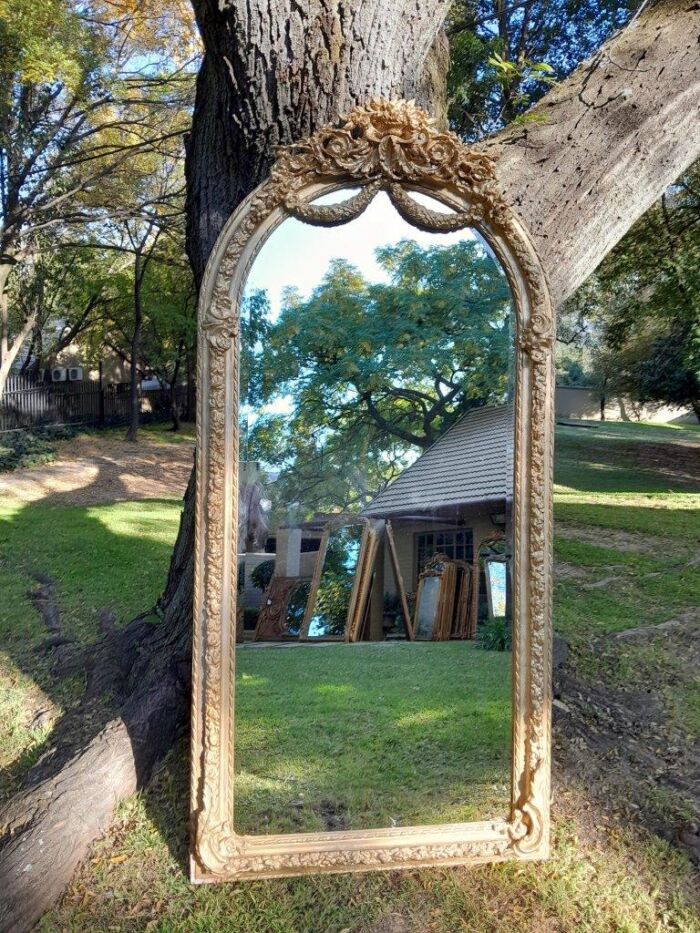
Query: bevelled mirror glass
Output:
(372,633)
(376,386)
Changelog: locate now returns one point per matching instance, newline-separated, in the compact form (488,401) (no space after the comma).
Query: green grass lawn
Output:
(628,526)
(111,557)
(628,520)
(357,736)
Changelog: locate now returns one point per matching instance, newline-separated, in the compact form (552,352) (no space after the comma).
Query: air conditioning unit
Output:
(59,374)
(75,373)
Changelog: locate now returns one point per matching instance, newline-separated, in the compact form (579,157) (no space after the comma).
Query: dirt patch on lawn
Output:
(614,539)
(99,469)
(622,737)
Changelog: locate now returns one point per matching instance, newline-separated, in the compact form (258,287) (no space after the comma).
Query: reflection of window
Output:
(457,544)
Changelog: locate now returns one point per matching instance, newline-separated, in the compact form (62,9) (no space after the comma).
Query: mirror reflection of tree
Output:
(369,374)
(335,586)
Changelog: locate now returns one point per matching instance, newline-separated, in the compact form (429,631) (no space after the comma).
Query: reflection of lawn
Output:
(355,736)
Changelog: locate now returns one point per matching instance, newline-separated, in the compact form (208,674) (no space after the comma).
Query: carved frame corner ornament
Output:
(389,146)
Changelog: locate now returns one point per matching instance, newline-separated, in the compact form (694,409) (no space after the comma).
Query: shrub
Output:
(261,575)
(495,635)
(30,448)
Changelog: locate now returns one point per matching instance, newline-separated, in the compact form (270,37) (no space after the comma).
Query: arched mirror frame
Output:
(390,146)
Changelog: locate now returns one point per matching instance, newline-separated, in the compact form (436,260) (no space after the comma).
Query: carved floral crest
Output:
(392,140)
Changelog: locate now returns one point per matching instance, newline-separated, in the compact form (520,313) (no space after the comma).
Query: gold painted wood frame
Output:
(398,577)
(358,595)
(394,147)
(359,598)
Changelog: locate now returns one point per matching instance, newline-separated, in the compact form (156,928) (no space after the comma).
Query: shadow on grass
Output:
(675,518)
(589,463)
(107,563)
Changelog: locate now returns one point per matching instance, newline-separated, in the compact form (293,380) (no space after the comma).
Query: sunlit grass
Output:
(371,735)
(602,878)
(113,557)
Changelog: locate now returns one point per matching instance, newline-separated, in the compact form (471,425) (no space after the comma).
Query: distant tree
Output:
(62,292)
(652,284)
(170,323)
(75,107)
(635,324)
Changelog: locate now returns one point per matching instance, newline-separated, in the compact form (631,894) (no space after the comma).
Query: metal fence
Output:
(27,403)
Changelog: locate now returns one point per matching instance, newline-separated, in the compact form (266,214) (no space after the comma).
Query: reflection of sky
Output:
(297,254)
(497,576)
(352,552)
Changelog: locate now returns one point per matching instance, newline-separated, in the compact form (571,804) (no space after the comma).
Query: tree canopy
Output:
(373,372)
(634,328)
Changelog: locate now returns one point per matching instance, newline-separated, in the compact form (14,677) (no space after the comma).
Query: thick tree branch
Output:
(612,137)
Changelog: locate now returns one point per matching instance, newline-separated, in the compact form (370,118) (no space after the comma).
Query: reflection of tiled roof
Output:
(472,462)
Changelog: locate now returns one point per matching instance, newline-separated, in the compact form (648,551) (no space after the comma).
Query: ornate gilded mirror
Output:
(372,577)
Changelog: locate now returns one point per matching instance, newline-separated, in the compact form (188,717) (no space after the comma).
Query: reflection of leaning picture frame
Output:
(361,584)
(271,624)
(460,625)
(363,579)
(315,581)
(427,602)
(496,597)
(435,601)
(494,537)
(398,576)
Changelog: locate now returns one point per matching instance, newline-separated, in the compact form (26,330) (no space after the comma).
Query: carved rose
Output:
(393,140)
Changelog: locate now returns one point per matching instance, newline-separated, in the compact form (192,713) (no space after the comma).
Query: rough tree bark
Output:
(135,352)
(612,137)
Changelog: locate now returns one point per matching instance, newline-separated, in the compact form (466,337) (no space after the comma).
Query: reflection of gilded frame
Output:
(398,576)
(493,537)
(354,605)
(444,607)
(363,579)
(391,147)
(489,584)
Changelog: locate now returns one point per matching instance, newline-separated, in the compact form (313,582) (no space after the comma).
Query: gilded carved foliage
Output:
(394,147)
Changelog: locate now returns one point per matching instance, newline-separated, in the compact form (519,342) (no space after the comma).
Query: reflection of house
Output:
(453,498)
(458,493)
(294,549)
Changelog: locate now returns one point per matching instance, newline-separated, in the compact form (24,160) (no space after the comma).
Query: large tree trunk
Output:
(276,70)
(615,135)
